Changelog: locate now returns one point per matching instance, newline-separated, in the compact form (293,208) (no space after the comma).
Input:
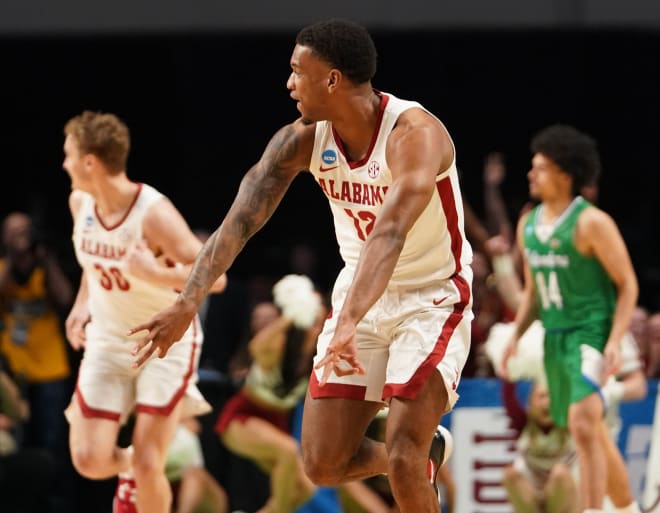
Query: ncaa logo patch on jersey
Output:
(88,223)
(374,169)
(329,157)
(555,243)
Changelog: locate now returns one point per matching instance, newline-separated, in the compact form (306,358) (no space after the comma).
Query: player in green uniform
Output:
(580,282)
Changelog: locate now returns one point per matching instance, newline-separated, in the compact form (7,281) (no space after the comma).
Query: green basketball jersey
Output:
(571,289)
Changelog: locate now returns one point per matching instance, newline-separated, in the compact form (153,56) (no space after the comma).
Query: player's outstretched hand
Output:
(341,356)
(163,329)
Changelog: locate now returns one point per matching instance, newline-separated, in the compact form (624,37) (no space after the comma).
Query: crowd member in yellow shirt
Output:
(33,290)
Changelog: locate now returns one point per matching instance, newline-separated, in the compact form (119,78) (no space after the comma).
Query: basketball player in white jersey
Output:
(401,307)
(134,248)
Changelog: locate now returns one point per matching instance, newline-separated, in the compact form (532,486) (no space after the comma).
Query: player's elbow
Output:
(626,293)
(628,288)
(634,288)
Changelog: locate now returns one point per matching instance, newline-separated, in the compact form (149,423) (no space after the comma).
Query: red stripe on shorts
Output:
(410,389)
(89,412)
(342,390)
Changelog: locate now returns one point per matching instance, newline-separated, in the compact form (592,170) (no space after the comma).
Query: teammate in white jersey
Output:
(134,248)
(401,308)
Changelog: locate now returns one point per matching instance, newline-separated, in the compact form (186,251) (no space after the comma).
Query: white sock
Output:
(592,510)
(633,507)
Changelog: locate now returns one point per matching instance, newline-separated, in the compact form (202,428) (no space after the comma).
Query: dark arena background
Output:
(203,89)
(201,107)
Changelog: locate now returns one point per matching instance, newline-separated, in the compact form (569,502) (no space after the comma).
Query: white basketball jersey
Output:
(117,300)
(435,248)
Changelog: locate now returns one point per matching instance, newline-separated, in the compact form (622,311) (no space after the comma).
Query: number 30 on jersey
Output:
(112,277)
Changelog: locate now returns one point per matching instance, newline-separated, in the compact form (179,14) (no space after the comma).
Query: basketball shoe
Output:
(125,495)
(441,448)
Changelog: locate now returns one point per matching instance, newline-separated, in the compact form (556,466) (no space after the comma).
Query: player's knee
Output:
(582,428)
(147,462)
(584,418)
(401,463)
(322,470)
(89,462)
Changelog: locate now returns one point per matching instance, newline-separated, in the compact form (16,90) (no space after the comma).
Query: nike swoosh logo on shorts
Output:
(436,302)
(326,169)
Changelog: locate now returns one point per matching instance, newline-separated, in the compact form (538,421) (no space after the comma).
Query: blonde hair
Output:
(103,135)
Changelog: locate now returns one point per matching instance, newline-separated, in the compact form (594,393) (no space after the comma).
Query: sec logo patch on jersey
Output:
(373,170)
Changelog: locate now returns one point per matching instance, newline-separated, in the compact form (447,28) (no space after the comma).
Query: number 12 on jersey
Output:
(363,221)
(549,291)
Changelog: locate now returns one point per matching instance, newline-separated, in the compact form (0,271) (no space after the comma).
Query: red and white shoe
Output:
(125,496)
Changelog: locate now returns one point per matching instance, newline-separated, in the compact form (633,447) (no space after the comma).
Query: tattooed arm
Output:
(260,192)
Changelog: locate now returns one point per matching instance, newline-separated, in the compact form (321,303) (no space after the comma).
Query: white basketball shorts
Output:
(108,387)
(406,335)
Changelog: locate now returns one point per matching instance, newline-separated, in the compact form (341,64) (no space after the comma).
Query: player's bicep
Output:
(415,160)
(528,280)
(167,232)
(609,247)
(419,142)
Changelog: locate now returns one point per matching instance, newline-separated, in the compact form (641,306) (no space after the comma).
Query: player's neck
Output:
(114,195)
(553,208)
(356,123)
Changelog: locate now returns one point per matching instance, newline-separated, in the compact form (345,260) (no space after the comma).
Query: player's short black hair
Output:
(575,152)
(343,44)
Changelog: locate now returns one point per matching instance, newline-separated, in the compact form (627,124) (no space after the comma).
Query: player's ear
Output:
(88,160)
(333,78)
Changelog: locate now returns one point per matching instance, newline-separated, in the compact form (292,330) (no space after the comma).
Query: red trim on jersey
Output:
(374,137)
(451,214)
(336,390)
(410,389)
(128,211)
(89,412)
(167,409)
